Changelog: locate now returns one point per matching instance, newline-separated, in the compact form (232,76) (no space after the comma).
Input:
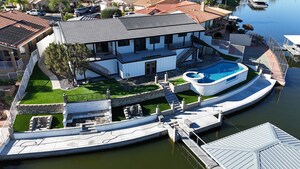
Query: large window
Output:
(181,34)
(155,39)
(123,43)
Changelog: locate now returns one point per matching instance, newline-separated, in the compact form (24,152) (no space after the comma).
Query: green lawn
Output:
(190,96)
(22,121)
(39,89)
(149,107)
(228,57)
(178,81)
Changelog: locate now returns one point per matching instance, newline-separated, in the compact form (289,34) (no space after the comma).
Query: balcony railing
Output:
(9,64)
(6,65)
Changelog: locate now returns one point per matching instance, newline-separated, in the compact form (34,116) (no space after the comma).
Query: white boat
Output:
(258,4)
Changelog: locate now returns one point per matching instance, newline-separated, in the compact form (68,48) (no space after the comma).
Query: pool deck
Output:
(202,117)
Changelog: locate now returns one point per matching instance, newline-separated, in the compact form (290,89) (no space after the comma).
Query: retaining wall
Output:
(40,108)
(181,87)
(137,98)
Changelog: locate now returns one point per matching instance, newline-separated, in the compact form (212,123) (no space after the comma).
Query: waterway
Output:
(281,107)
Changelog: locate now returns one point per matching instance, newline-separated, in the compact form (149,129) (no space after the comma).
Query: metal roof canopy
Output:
(263,146)
(295,39)
(103,30)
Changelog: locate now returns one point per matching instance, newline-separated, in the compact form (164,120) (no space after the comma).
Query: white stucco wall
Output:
(135,69)
(88,106)
(89,74)
(44,43)
(110,64)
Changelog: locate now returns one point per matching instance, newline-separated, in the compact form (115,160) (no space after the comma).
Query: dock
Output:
(198,151)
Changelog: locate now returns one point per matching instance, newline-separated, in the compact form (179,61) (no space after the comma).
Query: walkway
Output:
(46,71)
(198,151)
(277,72)
(250,95)
(51,146)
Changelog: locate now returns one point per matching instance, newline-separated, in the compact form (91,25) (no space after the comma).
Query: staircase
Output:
(88,128)
(172,98)
(185,54)
(98,69)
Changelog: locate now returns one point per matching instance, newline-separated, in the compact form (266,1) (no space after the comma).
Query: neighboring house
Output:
(19,34)
(142,4)
(133,46)
(205,15)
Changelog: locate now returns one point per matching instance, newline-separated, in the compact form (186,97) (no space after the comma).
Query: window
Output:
(155,39)
(181,34)
(123,43)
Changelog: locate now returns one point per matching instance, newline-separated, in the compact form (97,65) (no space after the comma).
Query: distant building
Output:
(205,15)
(19,34)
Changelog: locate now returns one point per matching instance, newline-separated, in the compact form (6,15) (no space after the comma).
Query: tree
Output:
(78,55)
(21,3)
(67,59)
(110,12)
(56,59)
(61,5)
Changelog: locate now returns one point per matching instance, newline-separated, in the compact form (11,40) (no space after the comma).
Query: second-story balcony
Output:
(145,55)
(135,56)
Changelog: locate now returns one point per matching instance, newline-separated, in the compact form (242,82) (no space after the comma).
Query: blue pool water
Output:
(218,71)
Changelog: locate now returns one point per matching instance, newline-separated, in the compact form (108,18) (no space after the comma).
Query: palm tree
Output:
(60,4)
(21,3)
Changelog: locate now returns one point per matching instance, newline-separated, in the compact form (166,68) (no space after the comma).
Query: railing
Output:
(4,129)
(85,97)
(20,64)
(6,65)
(280,57)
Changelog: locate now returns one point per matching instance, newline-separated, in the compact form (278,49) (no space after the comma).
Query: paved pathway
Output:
(52,77)
(52,144)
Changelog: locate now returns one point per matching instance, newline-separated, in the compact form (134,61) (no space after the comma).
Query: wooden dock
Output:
(198,151)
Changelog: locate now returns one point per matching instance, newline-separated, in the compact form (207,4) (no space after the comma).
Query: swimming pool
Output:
(216,78)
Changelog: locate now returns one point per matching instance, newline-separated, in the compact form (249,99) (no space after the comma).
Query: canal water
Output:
(281,107)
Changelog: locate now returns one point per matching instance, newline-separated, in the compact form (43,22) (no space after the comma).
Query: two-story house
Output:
(19,34)
(133,46)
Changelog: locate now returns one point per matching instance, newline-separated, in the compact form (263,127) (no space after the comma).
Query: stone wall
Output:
(40,108)
(180,88)
(192,105)
(137,98)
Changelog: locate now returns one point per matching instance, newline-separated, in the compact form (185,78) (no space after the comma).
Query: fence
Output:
(280,58)
(5,128)
(224,46)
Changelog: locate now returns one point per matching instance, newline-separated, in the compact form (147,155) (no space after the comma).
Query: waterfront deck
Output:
(203,119)
(198,151)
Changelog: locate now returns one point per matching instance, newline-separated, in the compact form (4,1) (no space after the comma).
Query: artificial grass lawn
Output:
(22,121)
(178,81)
(39,89)
(149,107)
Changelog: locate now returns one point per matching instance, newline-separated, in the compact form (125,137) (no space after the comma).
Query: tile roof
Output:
(263,146)
(127,28)
(149,3)
(190,8)
(17,27)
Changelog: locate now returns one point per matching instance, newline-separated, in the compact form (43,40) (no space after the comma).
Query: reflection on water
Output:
(280,18)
